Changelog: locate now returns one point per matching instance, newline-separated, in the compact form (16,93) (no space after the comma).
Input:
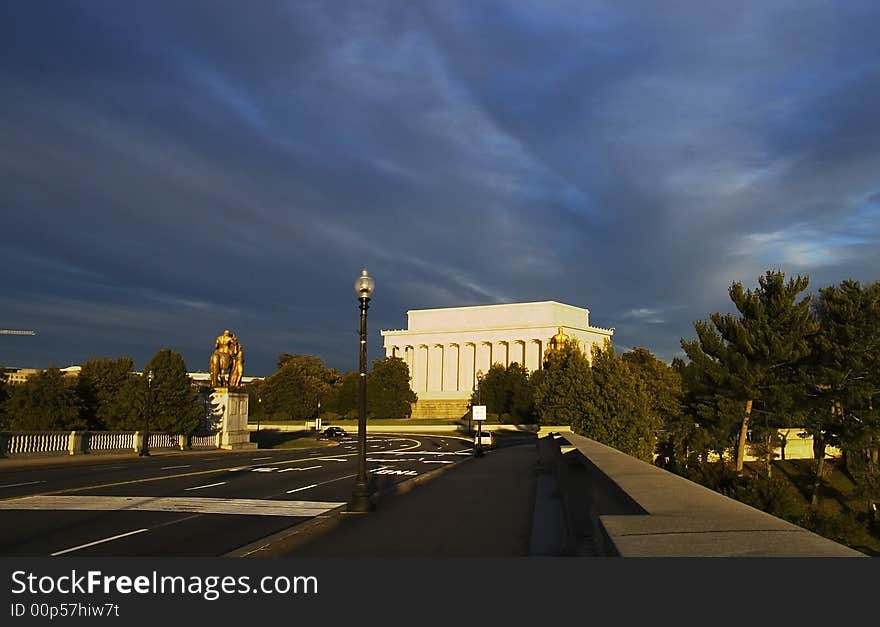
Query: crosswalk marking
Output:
(199,505)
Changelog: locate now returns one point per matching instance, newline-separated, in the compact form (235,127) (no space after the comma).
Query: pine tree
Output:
(751,359)
(100,388)
(173,402)
(842,376)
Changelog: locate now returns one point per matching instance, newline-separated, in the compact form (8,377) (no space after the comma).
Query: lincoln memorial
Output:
(446,348)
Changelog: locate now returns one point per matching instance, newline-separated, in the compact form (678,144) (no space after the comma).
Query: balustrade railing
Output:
(38,442)
(49,443)
(99,441)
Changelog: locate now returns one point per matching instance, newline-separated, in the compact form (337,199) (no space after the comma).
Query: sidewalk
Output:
(481,507)
(11,464)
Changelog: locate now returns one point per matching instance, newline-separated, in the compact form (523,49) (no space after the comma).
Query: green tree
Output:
(563,388)
(750,360)
(100,387)
(174,405)
(618,411)
(842,375)
(4,396)
(507,390)
(47,401)
(663,385)
(388,391)
(347,394)
(300,383)
(492,390)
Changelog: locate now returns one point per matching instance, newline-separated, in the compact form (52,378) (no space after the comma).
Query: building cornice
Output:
(405,332)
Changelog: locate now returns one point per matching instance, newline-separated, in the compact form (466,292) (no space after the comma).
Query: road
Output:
(196,504)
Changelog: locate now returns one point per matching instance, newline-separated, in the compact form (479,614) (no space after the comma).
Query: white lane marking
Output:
(170,467)
(308,487)
(331,459)
(189,504)
(111,538)
(308,468)
(13,485)
(317,484)
(256,459)
(387,461)
(436,461)
(264,469)
(411,452)
(210,485)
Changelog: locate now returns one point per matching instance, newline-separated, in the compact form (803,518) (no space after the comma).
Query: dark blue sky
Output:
(171,169)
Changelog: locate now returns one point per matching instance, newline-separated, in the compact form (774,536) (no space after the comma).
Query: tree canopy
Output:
(47,401)
(173,403)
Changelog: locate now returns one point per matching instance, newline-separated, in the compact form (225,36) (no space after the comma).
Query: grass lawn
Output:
(288,440)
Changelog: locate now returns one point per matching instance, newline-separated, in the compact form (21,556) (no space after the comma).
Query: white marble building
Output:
(446,348)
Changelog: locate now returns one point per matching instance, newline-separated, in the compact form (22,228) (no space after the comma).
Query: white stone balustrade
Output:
(99,441)
(38,442)
(204,441)
(50,443)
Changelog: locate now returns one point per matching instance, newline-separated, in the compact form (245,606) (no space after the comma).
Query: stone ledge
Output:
(644,511)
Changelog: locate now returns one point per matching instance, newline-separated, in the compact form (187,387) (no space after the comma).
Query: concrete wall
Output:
(640,510)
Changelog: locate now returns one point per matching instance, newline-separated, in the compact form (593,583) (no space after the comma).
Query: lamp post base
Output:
(360,500)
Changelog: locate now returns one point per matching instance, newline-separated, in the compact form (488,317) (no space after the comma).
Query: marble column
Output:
(518,352)
(435,368)
(501,353)
(451,379)
(420,368)
(484,357)
(533,355)
(468,366)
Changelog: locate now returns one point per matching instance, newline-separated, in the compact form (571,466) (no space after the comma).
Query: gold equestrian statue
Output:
(227,361)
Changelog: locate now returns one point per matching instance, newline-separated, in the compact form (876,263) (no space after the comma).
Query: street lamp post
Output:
(360,501)
(145,445)
(478,449)
(259,416)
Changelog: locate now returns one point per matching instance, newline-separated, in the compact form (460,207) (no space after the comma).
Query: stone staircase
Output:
(440,408)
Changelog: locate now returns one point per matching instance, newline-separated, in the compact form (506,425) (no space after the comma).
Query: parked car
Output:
(486,439)
(333,433)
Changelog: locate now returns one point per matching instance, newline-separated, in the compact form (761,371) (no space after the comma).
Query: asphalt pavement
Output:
(481,507)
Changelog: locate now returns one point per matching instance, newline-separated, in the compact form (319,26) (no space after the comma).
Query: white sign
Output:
(479,412)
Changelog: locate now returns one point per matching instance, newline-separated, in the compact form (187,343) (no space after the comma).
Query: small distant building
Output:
(16,376)
(446,348)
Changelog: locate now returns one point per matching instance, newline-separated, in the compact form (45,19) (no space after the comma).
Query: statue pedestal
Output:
(232,409)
